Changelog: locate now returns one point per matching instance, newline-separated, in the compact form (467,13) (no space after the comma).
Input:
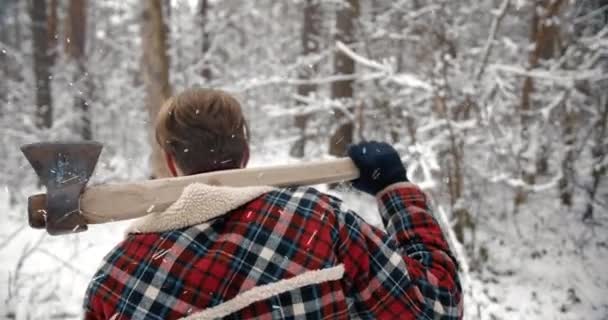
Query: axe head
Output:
(64,168)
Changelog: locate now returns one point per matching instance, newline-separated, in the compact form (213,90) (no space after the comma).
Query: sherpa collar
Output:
(197,204)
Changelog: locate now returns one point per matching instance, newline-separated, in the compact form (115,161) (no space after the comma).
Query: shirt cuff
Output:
(395,186)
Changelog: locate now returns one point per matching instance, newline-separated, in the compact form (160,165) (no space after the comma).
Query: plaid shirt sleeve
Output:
(406,273)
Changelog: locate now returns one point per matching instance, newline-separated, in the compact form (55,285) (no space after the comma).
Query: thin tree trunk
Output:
(545,37)
(343,90)
(42,64)
(155,68)
(52,30)
(76,48)
(4,38)
(309,39)
(599,152)
(17,7)
(11,35)
(454,156)
(565,184)
(204,14)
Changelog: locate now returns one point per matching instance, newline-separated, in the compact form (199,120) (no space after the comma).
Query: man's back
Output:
(278,253)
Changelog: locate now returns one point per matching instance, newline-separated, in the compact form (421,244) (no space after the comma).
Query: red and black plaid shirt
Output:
(406,272)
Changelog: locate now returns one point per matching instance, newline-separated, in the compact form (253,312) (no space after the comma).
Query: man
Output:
(269,253)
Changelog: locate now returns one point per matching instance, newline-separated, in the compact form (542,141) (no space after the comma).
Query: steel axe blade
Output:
(64,168)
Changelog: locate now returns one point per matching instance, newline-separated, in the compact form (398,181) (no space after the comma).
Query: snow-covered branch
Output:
(361,60)
(255,83)
(502,11)
(461,125)
(519,183)
(561,76)
(403,79)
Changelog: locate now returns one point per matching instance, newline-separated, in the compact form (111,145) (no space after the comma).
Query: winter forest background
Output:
(498,107)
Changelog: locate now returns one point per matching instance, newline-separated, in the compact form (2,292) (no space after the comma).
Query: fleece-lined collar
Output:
(197,204)
(267,291)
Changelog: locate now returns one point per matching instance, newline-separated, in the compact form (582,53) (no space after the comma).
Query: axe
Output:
(64,168)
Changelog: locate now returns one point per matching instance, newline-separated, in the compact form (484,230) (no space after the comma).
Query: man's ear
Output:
(245,158)
(171,164)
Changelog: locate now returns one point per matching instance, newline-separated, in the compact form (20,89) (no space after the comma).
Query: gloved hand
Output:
(379,165)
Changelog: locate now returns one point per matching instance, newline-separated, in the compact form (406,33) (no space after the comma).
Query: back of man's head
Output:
(203,130)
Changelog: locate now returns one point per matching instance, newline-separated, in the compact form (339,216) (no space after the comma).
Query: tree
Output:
(42,64)
(17,8)
(204,16)
(155,69)
(598,92)
(76,46)
(4,38)
(343,90)
(544,37)
(309,41)
(52,30)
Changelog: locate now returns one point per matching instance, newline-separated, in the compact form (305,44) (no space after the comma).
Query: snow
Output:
(440,109)
(43,276)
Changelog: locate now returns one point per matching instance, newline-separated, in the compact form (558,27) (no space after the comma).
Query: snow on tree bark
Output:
(75,44)
(309,42)
(343,90)
(155,67)
(42,64)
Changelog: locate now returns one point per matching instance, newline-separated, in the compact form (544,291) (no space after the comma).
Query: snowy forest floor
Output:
(538,264)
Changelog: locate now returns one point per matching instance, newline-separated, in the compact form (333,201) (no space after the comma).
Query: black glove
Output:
(379,165)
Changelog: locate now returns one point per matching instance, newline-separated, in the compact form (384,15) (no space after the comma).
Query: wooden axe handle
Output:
(113,202)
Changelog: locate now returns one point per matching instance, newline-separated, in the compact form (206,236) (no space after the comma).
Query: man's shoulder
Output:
(301,196)
(301,203)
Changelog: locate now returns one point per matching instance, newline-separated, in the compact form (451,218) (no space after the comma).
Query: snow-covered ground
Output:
(539,265)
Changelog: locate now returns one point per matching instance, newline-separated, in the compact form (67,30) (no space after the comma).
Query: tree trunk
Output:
(204,13)
(309,40)
(545,37)
(599,152)
(17,8)
(343,90)
(76,46)
(10,34)
(599,149)
(155,68)
(42,64)
(566,187)
(4,38)
(52,22)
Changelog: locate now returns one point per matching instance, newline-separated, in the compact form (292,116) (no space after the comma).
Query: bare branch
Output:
(565,77)
(11,236)
(502,12)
